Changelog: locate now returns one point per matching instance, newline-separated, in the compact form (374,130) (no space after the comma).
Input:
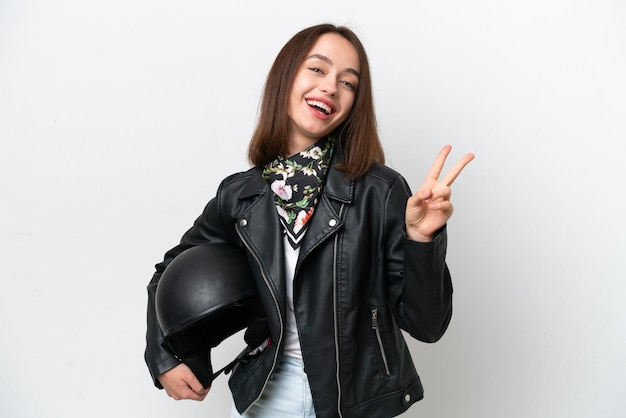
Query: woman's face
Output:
(323,91)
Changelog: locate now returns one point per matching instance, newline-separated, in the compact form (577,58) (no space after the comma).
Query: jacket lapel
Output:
(326,219)
(260,228)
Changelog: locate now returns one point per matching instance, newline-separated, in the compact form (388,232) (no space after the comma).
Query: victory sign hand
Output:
(429,209)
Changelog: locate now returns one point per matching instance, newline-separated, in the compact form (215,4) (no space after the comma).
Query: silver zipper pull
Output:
(374,318)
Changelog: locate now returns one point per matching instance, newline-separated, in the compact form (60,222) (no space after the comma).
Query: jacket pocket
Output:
(376,327)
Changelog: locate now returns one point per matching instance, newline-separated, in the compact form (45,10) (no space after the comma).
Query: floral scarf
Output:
(297,182)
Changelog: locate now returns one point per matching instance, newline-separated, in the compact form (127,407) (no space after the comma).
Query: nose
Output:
(328,86)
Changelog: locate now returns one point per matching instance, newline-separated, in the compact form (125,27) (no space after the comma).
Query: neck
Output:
(296,147)
(298,143)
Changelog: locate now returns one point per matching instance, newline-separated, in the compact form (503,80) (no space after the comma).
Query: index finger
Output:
(437,166)
(456,169)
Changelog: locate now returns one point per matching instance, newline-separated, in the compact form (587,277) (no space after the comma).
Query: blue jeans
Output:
(287,394)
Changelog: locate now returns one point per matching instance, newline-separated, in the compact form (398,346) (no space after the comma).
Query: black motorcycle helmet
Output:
(205,295)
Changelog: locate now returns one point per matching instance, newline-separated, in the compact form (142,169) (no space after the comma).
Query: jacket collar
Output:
(337,187)
(255,185)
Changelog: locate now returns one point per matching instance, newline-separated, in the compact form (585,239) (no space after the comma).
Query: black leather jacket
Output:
(358,282)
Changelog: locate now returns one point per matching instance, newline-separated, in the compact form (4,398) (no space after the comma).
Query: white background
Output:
(119,118)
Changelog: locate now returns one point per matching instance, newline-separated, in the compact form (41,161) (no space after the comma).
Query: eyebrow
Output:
(330,62)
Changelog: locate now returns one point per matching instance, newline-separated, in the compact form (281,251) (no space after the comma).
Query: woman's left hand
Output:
(429,209)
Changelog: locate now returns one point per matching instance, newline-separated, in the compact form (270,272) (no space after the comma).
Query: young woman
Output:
(344,257)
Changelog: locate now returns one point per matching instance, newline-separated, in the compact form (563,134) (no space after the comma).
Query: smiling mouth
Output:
(322,107)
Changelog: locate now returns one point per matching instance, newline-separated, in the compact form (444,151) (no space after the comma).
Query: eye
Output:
(349,85)
(316,70)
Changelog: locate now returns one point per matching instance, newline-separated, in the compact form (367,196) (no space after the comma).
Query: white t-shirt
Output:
(292,341)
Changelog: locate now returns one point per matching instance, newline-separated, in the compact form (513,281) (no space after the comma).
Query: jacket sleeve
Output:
(207,228)
(422,289)
(427,302)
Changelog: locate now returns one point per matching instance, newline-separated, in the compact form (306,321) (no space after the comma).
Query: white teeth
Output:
(319,104)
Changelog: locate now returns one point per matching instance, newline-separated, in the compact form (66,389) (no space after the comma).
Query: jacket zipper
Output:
(256,258)
(335,319)
(381,348)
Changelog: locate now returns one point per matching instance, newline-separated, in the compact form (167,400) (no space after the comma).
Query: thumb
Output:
(194,384)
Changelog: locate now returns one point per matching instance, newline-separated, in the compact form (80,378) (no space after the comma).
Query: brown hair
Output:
(357,136)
